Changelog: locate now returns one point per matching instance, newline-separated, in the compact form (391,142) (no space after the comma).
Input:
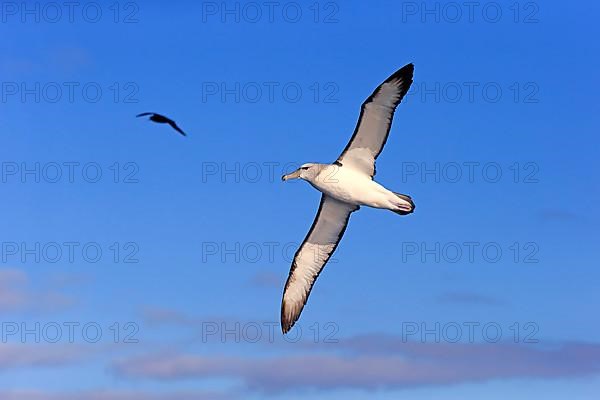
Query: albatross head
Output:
(306,171)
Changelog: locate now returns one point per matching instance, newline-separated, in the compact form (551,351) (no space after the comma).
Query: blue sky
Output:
(177,248)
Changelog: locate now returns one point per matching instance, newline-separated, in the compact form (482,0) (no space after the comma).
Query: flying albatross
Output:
(161,119)
(346,185)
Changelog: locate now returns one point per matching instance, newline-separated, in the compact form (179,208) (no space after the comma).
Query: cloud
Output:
(61,60)
(163,316)
(26,355)
(266,279)
(156,316)
(70,59)
(16,65)
(375,362)
(559,215)
(467,298)
(109,395)
(17,295)
(11,294)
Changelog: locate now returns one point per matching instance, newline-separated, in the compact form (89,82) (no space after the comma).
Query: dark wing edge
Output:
(404,76)
(177,128)
(292,308)
(145,114)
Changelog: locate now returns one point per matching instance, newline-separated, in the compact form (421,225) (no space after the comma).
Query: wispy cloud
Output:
(11,294)
(375,362)
(164,316)
(39,355)
(156,316)
(266,279)
(61,60)
(559,215)
(16,294)
(110,395)
(468,298)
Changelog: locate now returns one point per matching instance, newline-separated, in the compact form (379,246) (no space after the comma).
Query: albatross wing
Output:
(177,128)
(375,121)
(321,241)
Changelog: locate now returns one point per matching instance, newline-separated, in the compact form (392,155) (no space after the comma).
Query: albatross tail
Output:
(404,204)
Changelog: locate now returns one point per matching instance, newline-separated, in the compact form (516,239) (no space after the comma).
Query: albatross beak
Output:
(293,175)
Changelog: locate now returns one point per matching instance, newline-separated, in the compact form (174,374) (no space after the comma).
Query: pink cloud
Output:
(370,363)
(267,279)
(38,355)
(164,316)
(16,294)
(108,395)
(12,295)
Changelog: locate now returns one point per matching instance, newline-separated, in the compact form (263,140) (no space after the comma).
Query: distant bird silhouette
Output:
(161,119)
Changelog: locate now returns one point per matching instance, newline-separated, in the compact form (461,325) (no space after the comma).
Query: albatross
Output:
(345,185)
(161,119)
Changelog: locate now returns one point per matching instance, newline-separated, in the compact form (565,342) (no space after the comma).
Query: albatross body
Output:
(354,187)
(345,185)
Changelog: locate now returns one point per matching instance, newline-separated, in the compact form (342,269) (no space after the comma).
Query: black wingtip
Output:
(286,323)
(286,327)
(406,71)
(177,129)
(404,74)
